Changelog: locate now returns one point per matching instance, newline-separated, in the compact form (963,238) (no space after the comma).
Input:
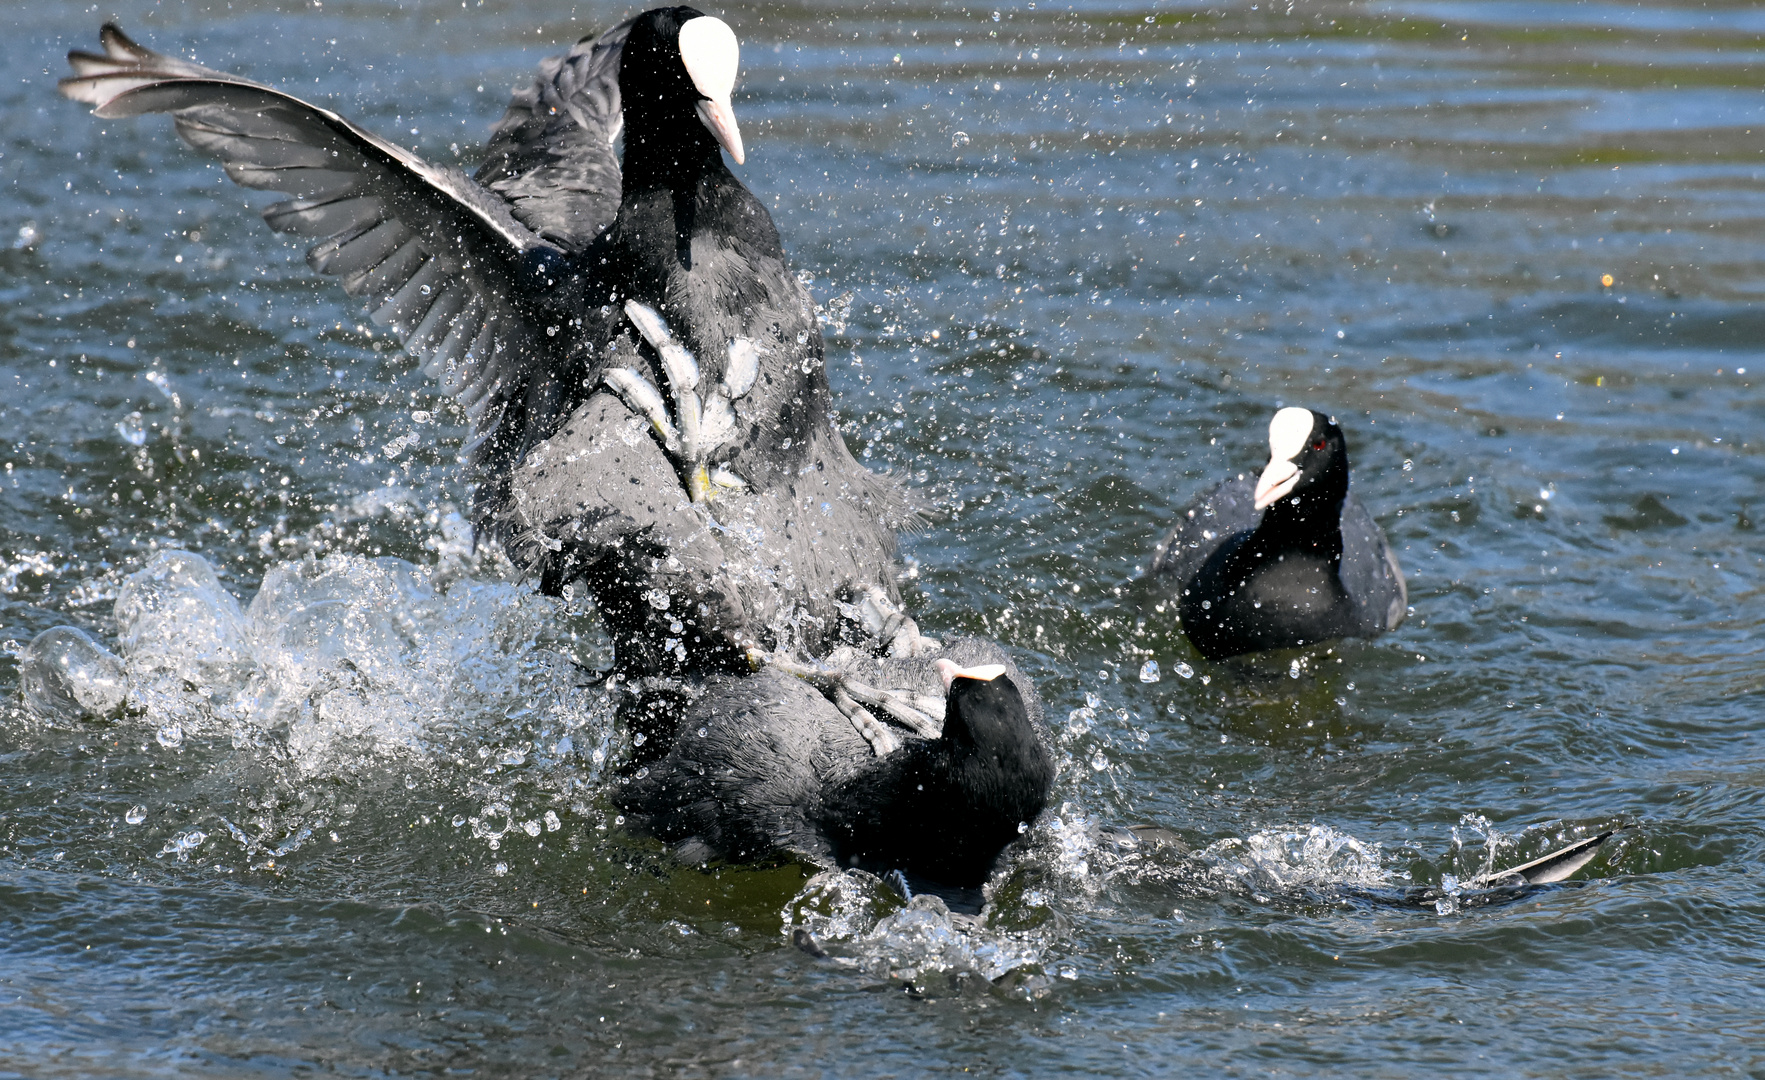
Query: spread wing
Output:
(441,261)
(551,155)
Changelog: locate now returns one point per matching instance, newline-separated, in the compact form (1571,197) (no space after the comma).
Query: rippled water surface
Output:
(352,818)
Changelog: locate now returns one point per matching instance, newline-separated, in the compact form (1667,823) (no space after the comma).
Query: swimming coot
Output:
(554,296)
(769,763)
(1291,560)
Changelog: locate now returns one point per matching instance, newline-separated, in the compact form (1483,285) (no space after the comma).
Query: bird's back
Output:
(1370,571)
(747,770)
(1228,511)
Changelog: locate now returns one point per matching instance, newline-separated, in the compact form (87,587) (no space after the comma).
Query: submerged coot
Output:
(768,763)
(1292,560)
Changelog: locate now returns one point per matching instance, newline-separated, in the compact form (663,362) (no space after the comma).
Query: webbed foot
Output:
(702,424)
(920,713)
(890,626)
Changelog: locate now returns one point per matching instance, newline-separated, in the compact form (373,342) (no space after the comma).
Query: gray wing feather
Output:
(551,155)
(1369,570)
(1224,512)
(425,245)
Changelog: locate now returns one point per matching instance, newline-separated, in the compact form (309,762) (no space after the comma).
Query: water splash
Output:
(345,661)
(1293,861)
(866,925)
(64,672)
(344,666)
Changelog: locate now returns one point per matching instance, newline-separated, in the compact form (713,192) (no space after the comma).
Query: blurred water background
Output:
(348,816)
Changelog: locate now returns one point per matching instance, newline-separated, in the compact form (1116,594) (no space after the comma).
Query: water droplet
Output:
(511,756)
(136,815)
(133,429)
(1149,671)
(1099,762)
(531,828)
(704,732)
(1293,670)
(171,736)
(410,782)
(552,824)
(1185,671)
(64,672)
(183,844)
(500,869)
(459,819)
(639,739)
(959,139)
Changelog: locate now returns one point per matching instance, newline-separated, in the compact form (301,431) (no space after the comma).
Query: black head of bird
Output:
(676,77)
(987,723)
(1307,473)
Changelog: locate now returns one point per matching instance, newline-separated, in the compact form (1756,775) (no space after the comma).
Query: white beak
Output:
(1275,482)
(719,119)
(949,671)
(711,55)
(1288,433)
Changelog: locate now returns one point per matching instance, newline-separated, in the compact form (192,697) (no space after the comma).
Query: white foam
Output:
(1276,861)
(349,663)
(865,922)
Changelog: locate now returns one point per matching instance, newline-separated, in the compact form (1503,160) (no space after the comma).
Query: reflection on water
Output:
(346,810)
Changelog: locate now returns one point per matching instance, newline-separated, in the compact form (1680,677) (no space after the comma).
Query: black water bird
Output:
(553,296)
(770,763)
(1292,560)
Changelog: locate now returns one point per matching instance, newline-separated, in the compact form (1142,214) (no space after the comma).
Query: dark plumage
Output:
(767,763)
(560,296)
(1292,560)
(512,289)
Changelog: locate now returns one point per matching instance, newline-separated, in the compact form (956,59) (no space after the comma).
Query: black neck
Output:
(1309,520)
(661,153)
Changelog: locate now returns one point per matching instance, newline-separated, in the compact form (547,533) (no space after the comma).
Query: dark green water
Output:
(1090,250)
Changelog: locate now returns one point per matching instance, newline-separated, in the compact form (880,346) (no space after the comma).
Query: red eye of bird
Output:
(1319,445)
